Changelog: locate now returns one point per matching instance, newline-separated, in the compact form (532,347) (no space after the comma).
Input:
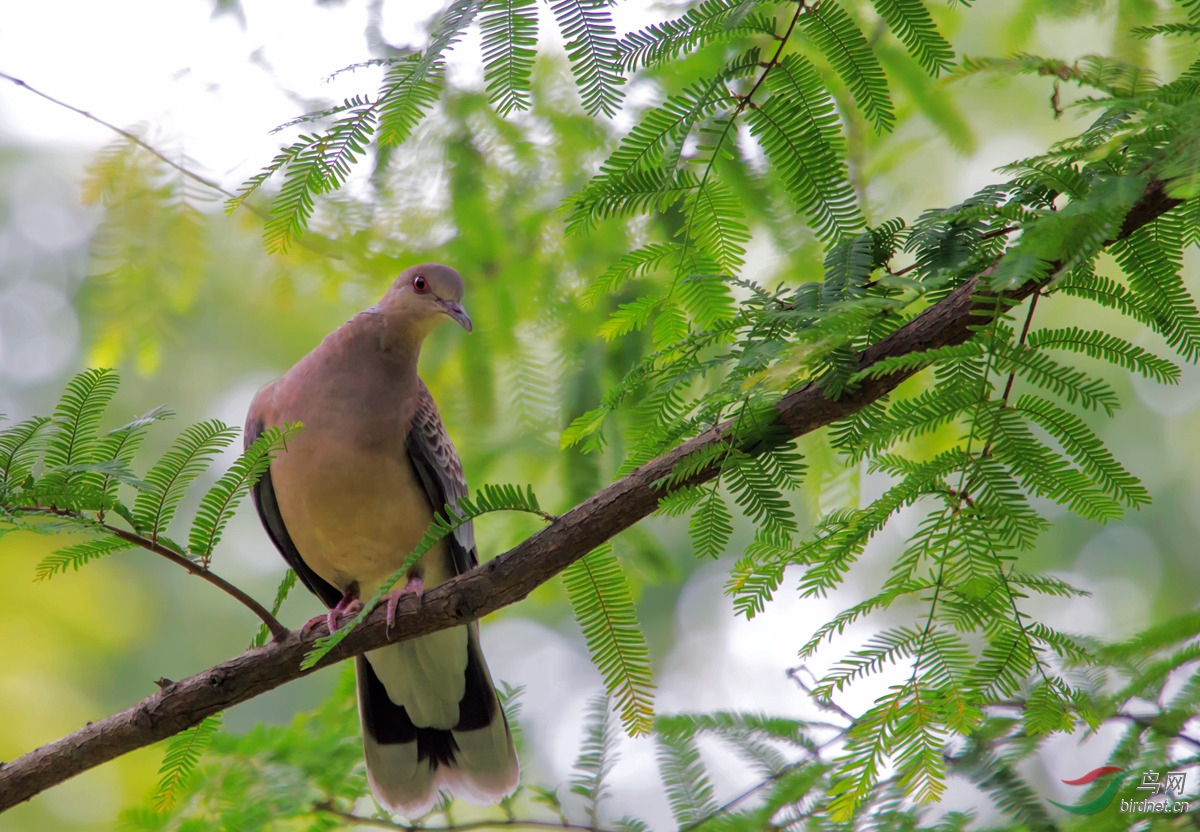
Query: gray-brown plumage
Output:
(345,504)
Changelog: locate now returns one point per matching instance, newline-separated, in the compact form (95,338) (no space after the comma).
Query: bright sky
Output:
(203,88)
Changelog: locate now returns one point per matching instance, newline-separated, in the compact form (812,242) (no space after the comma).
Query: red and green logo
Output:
(1102,800)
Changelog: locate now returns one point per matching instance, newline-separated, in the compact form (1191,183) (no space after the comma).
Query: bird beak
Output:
(455,311)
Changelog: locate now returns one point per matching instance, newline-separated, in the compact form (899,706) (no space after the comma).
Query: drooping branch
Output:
(511,576)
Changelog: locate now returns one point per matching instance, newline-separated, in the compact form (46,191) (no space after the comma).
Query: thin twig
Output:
(824,703)
(144,145)
(278,631)
(1012,376)
(208,183)
(1148,722)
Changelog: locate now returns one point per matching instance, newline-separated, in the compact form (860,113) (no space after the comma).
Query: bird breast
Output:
(354,512)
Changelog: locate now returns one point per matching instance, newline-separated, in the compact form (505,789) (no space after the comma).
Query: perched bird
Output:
(345,504)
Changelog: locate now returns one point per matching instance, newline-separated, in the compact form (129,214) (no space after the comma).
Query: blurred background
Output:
(110,257)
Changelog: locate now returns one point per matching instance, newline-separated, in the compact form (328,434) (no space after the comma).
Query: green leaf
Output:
(629,317)
(1088,451)
(711,525)
(286,584)
(754,736)
(70,437)
(688,788)
(217,506)
(1107,347)
(74,557)
(122,444)
(20,447)
(181,758)
(599,595)
(799,129)
(910,21)
(1152,257)
(710,22)
(597,756)
(591,40)
(313,165)
(510,30)
(843,44)
(186,459)
(412,84)
(636,264)
(717,224)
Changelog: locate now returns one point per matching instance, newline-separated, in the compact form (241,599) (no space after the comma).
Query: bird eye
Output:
(420,284)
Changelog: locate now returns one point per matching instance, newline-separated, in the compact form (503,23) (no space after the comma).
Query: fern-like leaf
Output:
(122,444)
(70,438)
(711,525)
(1078,440)
(20,447)
(217,506)
(631,266)
(710,22)
(286,585)
(510,29)
(412,84)
(688,788)
(843,44)
(591,39)
(1152,257)
(911,22)
(600,596)
(180,760)
(1107,347)
(315,165)
(717,224)
(597,756)
(75,557)
(174,472)
(799,130)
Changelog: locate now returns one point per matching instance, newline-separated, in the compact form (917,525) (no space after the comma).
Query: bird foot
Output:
(415,586)
(349,605)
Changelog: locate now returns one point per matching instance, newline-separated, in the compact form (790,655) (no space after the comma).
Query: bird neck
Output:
(399,333)
(369,343)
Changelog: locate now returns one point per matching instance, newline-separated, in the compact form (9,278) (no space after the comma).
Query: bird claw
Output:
(349,605)
(415,586)
(342,610)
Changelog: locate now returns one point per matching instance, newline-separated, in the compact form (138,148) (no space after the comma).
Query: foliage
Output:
(1002,405)
(599,593)
(310,771)
(69,476)
(767,120)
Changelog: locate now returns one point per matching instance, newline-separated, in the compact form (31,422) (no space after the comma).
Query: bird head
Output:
(422,297)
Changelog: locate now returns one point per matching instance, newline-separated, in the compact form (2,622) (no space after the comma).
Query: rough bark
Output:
(505,579)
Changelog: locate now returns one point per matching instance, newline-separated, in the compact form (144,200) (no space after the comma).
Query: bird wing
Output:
(267,505)
(441,475)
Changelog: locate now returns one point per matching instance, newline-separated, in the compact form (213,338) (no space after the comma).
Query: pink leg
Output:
(349,605)
(415,586)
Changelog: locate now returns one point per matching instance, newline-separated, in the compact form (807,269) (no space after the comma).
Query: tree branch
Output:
(511,576)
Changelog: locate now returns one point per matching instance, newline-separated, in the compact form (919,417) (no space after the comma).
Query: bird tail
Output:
(431,720)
